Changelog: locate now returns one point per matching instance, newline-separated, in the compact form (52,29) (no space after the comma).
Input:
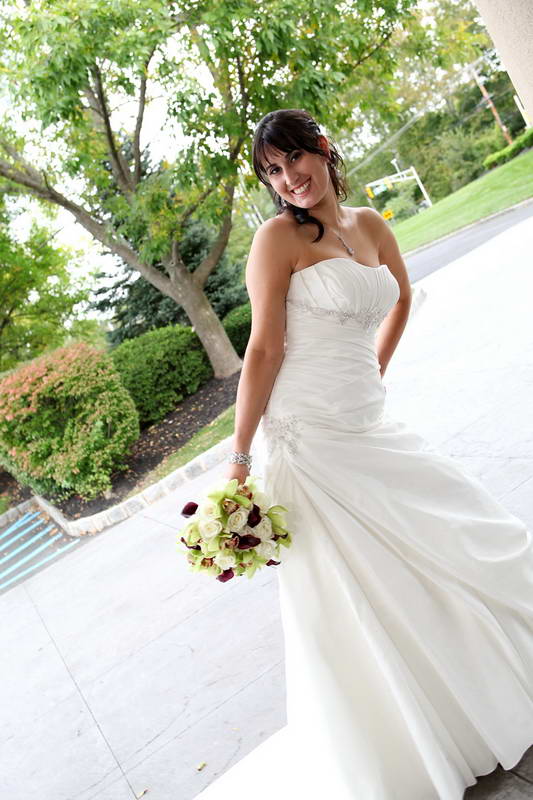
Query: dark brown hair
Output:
(289,129)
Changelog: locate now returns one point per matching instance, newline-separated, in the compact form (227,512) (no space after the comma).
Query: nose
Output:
(292,177)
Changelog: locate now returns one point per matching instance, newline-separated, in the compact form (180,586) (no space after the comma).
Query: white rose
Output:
(208,509)
(209,528)
(263,530)
(225,560)
(262,500)
(247,531)
(237,520)
(266,550)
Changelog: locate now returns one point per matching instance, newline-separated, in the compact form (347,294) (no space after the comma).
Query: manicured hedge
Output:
(66,422)
(521,142)
(160,368)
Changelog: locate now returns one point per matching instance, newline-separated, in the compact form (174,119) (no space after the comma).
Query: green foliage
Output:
(38,296)
(67,39)
(160,368)
(259,57)
(402,203)
(237,325)
(448,147)
(522,142)
(86,72)
(66,422)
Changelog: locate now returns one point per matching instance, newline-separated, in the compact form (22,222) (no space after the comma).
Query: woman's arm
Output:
(268,274)
(392,327)
(255,384)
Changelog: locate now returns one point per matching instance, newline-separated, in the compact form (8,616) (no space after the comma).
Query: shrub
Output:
(522,142)
(66,422)
(160,367)
(238,323)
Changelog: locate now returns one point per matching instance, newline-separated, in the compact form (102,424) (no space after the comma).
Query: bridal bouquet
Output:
(233,530)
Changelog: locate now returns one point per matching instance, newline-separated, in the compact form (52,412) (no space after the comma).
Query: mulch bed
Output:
(153,445)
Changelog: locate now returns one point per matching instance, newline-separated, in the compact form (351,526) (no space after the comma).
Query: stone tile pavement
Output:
(121,672)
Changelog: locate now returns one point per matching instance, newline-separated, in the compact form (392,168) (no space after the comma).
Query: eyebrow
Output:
(268,164)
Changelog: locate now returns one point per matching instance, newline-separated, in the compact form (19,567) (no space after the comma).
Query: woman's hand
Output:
(239,471)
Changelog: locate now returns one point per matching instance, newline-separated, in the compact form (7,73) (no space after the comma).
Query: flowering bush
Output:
(234,530)
(66,422)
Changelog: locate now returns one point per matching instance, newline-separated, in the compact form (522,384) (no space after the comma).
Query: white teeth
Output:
(302,189)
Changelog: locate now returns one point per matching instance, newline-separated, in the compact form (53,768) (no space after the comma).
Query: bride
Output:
(407,594)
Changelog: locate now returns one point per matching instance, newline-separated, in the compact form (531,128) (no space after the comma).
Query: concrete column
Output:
(510,25)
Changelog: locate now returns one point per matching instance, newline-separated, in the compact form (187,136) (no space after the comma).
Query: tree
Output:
(139,307)
(76,67)
(38,296)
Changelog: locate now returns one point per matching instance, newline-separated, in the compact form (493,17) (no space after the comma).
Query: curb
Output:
(16,512)
(422,247)
(111,516)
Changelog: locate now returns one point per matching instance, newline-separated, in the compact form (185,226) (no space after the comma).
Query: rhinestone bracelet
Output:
(240,458)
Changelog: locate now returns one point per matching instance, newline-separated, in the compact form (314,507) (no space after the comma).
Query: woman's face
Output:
(299,177)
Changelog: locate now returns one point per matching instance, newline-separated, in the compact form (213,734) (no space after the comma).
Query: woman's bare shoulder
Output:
(283,223)
(362,213)
(278,234)
(368,220)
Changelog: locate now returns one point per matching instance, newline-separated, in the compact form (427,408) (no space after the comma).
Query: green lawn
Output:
(219,428)
(502,187)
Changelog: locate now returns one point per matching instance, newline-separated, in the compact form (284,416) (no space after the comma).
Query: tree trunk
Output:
(209,329)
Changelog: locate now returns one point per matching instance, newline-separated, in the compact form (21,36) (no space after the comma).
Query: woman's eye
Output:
(296,154)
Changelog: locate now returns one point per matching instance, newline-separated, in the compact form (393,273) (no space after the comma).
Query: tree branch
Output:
(7,318)
(38,185)
(204,269)
(139,121)
(193,206)
(216,70)
(93,105)
(178,268)
(242,87)
(118,162)
(374,49)
(10,189)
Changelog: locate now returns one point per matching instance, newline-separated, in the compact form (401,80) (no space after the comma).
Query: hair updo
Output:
(289,129)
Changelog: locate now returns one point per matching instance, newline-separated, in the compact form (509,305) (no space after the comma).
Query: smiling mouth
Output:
(302,189)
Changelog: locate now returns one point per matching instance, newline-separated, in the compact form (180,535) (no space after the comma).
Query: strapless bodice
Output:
(330,374)
(345,291)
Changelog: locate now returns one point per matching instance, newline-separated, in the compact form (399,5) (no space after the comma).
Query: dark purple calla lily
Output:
(247,541)
(191,546)
(254,516)
(272,563)
(189,508)
(226,575)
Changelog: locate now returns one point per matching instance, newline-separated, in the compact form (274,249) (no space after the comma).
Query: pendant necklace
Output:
(347,246)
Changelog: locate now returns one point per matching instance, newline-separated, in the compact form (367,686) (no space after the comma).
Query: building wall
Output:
(510,25)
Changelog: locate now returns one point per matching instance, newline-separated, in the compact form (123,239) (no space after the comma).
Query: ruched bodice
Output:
(345,291)
(330,375)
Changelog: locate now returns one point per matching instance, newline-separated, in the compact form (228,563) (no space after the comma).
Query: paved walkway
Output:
(121,672)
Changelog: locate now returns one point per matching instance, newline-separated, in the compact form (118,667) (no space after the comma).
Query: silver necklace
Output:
(347,246)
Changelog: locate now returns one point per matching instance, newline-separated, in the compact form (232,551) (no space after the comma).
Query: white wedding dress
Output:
(407,595)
